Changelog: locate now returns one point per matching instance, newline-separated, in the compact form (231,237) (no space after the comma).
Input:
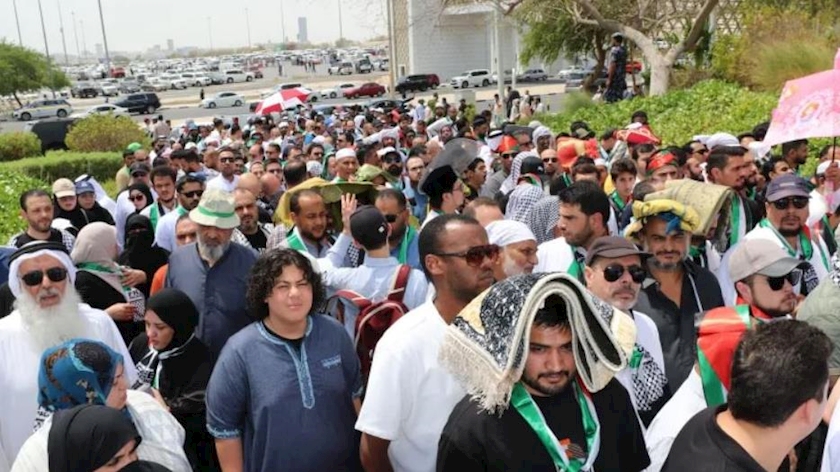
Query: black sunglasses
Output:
(614,272)
(474,256)
(797,202)
(34,278)
(225,160)
(391,218)
(549,159)
(392,160)
(776,283)
(136,198)
(193,194)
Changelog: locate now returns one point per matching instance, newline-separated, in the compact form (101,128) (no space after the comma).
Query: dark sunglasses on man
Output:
(797,202)
(475,256)
(36,277)
(613,272)
(776,283)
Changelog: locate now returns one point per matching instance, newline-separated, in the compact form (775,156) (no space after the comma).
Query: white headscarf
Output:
(505,232)
(14,267)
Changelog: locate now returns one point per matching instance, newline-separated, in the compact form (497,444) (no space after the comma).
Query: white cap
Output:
(344,154)
(383,151)
(505,232)
(721,139)
(283,124)
(189,146)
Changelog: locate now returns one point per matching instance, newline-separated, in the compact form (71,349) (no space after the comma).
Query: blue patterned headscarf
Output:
(76,372)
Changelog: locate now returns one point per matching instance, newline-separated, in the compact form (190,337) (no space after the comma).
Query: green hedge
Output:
(57,164)
(105,133)
(12,185)
(19,144)
(709,107)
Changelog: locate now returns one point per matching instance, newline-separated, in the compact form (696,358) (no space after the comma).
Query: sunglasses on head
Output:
(34,278)
(474,256)
(776,283)
(193,194)
(797,202)
(614,272)
(136,198)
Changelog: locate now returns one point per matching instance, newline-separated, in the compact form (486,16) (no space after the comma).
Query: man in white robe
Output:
(48,311)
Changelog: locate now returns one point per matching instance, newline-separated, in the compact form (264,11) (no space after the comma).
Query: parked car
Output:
(143,102)
(84,90)
(256,71)
(565,74)
(217,78)
(194,79)
(388,104)
(104,109)
(129,86)
(223,99)
(417,82)
(341,68)
(154,85)
(369,89)
(52,132)
(108,89)
(43,109)
(532,75)
(507,74)
(336,91)
(237,75)
(174,81)
(363,66)
(472,78)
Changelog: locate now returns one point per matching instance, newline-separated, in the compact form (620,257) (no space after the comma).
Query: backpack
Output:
(374,317)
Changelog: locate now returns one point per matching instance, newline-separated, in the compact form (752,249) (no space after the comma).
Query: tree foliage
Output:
(24,70)
(104,133)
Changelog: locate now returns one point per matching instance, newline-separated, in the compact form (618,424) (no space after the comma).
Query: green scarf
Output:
(619,202)
(805,244)
(409,235)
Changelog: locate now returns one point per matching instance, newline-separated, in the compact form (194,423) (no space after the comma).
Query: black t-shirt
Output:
(258,240)
(475,440)
(24,238)
(702,446)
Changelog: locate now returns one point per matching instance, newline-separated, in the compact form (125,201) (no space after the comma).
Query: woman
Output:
(105,285)
(176,366)
(140,196)
(85,372)
(66,205)
(140,253)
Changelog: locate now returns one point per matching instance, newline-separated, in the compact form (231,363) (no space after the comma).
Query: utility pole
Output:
(282,25)
(392,50)
(104,40)
(76,35)
(248,27)
(17,22)
(61,28)
(84,39)
(340,23)
(497,45)
(46,45)
(210,33)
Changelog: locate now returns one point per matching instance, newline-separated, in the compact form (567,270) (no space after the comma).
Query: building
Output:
(170,45)
(100,51)
(303,34)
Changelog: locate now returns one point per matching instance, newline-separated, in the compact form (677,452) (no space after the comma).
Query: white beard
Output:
(510,267)
(211,253)
(48,327)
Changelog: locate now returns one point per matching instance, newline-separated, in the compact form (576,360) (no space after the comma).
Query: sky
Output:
(137,25)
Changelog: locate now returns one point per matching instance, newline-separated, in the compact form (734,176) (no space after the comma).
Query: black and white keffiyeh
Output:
(544,217)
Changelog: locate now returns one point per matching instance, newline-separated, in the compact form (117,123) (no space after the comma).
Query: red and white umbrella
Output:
(282,100)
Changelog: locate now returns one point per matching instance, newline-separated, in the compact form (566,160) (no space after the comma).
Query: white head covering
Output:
(14,267)
(504,232)
(314,168)
(344,154)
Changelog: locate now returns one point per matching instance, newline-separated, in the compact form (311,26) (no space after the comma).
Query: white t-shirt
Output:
(19,366)
(554,256)
(221,183)
(687,401)
(831,453)
(409,394)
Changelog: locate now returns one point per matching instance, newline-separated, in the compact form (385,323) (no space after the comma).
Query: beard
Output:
(211,251)
(510,266)
(53,325)
(547,390)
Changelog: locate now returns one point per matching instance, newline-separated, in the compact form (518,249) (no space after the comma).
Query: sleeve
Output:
(390,390)
(632,451)
(163,437)
(460,447)
(4,461)
(336,254)
(450,456)
(227,396)
(159,279)
(191,400)
(658,450)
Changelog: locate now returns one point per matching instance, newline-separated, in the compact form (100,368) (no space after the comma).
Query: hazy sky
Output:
(136,25)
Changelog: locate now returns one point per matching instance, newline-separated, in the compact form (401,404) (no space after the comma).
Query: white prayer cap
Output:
(314,168)
(392,133)
(599,161)
(344,154)
(386,150)
(283,124)
(318,140)
(505,232)
(35,249)
(721,139)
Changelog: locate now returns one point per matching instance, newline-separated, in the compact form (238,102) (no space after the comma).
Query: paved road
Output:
(179,105)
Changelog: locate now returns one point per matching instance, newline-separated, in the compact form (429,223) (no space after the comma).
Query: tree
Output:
(25,70)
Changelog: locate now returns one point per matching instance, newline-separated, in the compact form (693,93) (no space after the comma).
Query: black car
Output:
(145,102)
(51,132)
(417,82)
(84,90)
(387,105)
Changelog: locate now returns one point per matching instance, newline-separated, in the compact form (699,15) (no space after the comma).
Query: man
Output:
(415,166)
(535,415)
(795,153)
(409,395)
(213,272)
(37,208)
(550,162)
(123,177)
(309,233)
(346,165)
(614,273)
(375,277)
(250,233)
(190,188)
(402,240)
(227,178)
(662,167)
(474,177)
(676,288)
(726,167)
(623,173)
(507,150)
(48,311)
(163,181)
(518,248)
(584,213)
(392,163)
(786,362)
(485,210)
(824,203)
(445,192)
(787,212)
(616,85)
(186,232)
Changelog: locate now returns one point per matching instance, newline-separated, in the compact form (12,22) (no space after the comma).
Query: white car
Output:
(238,75)
(337,91)
(174,81)
(109,89)
(104,109)
(278,87)
(195,79)
(43,109)
(223,99)
(472,78)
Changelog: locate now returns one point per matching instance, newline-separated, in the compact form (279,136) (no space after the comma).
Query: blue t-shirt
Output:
(293,410)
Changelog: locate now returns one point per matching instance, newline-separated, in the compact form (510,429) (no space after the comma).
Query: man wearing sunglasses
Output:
(507,150)
(403,239)
(48,311)
(615,270)
(227,179)
(392,163)
(190,188)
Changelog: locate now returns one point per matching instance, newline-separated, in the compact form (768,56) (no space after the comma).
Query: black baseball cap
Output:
(369,227)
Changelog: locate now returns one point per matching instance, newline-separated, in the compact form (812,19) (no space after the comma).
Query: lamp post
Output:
(17,22)
(392,49)
(46,44)
(248,26)
(61,28)
(84,39)
(104,39)
(282,24)
(76,35)
(340,23)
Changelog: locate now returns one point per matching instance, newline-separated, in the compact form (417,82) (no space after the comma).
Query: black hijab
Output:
(76,216)
(86,437)
(141,187)
(177,310)
(140,252)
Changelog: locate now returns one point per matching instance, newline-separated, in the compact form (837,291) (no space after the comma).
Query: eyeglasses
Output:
(797,202)
(392,160)
(193,194)
(776,283)
(34,278)
(136,198)
(474,256)
(549,160)
(508,156)
(226,160)
(391,218)
(614,272)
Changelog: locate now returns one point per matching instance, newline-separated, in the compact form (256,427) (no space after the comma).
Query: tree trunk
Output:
(14,94)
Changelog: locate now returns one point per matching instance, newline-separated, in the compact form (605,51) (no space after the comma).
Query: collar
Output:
(380,261)
(688,266)
(276,339)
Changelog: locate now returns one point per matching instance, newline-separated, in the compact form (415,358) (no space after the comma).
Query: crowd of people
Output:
(427,291)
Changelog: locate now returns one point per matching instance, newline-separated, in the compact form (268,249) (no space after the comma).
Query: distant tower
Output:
(170,45)
(99,50)
(303,35)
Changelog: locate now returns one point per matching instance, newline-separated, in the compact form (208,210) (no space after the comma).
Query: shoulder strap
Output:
(397,292)
(360,301)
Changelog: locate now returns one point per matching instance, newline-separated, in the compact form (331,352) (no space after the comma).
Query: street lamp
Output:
(340,23)
(17,22)
(46,45)
(104,39)
(61,28)
(248,26)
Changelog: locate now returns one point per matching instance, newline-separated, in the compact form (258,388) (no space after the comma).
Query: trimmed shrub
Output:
(105,133)
(19,144)
(57,164)
(12,185)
